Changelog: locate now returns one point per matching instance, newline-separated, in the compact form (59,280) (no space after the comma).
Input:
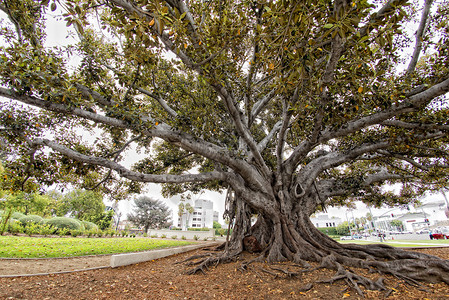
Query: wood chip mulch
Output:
(164,279)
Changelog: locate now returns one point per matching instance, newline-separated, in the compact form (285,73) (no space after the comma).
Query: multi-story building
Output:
(203,215)
(325,221)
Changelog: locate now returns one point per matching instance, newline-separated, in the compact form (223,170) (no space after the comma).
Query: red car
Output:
(442,234)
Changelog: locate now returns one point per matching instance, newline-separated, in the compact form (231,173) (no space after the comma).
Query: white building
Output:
(426,216)
(203,215)
(325,221)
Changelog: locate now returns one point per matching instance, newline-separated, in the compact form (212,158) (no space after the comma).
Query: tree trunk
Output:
(287,234)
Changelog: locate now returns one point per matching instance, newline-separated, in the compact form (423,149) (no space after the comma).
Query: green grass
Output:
(31,247)
(401,243)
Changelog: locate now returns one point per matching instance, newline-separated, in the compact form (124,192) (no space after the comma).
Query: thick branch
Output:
(62,108)
(403,158)
(419,37)
(422,126)
(126,173)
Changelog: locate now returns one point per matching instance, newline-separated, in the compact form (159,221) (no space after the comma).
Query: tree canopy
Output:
(150,213)
(82,205)
(290,106)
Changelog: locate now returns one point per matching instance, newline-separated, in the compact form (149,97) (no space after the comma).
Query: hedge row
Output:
(56,222)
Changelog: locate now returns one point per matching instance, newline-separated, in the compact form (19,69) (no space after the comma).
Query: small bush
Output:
(45,229)
(15,227)
(76,233)
(100,233)
(174,237)
(91,233)
(183,237)
(32,228)
(205,239)
(31,219)
(195,237)
(63,231)
(89,225)
(124,233)
(153,235)
(163,236)
(145,234)
(63,222)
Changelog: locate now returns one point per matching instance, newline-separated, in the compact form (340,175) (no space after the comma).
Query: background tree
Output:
(291,106)
(150,213)
(397,224)
(343,228)
(82,205)
(103,219)
(185,210)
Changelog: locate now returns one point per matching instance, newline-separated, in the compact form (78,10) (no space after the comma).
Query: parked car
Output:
(442,234)
(346,237)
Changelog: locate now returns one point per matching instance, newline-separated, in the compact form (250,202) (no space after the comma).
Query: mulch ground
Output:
(164,279)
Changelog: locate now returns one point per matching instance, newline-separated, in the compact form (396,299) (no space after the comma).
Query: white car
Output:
(346,237)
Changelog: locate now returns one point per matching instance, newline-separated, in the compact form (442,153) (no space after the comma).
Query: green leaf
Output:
(328,25)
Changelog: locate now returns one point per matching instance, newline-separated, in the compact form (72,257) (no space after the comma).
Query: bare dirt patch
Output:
(164,279)
(51,265)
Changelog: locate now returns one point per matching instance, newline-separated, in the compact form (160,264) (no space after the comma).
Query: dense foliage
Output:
(290,106)
(150,213)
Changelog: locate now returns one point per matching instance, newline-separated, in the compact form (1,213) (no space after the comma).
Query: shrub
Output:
(174,237)
(45,229)
(65,223)
(100,233)
(153,235)
(15,227)
(25,220)
(89,225)
(145,234)
(63,231)
(16,215)
(76,233)
(91,232)
(123,233)
(331,231)
(31,228)
(195,237)
(183,237)
(163,236)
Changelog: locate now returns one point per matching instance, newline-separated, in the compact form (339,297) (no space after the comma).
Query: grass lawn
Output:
(402,243)
(37,247)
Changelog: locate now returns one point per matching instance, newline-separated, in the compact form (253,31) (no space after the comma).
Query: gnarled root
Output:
(207,260)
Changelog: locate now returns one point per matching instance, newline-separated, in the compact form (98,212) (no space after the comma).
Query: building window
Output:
(199,213)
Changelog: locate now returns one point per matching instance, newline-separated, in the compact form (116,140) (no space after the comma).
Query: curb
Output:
(134,258)
(124,259)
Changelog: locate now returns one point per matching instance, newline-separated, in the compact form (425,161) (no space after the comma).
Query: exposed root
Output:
(213,260)
(193,258)
(355,281)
